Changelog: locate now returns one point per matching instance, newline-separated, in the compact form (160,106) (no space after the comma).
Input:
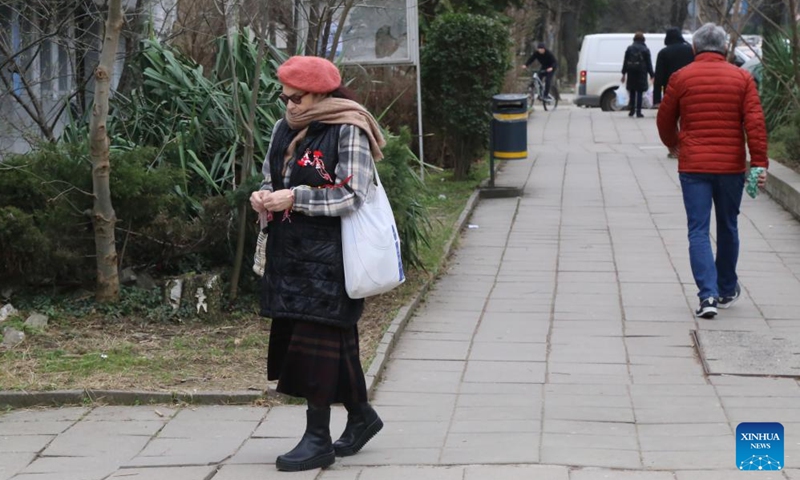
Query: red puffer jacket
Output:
(716,104)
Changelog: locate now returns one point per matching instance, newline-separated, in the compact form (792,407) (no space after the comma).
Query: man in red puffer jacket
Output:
(711,108)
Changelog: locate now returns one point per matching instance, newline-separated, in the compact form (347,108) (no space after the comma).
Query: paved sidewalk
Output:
(556,346)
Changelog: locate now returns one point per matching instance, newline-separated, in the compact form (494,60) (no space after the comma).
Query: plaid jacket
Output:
(355,161)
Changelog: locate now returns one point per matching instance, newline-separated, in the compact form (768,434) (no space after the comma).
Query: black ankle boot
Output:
(363,423)
(315,449)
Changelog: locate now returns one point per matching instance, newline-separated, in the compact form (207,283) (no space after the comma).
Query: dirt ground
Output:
(123,354)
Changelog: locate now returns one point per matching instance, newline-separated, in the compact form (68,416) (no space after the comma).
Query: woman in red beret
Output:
(318,167)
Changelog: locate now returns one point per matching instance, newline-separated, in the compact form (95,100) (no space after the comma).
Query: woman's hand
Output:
(257,200)
(279,201)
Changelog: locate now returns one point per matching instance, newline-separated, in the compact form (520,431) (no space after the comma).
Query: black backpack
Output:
(635,60)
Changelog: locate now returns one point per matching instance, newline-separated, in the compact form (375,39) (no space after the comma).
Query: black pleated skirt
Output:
(317,362)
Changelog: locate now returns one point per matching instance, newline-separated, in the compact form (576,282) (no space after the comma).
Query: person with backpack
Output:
(636,67)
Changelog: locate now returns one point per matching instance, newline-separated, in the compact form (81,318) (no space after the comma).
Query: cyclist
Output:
(548,64)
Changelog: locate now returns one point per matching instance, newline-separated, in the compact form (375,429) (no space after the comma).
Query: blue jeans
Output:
(714,278)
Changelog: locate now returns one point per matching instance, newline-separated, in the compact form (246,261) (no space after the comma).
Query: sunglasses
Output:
(297,98)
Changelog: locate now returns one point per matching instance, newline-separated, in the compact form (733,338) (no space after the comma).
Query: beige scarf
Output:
(335,111)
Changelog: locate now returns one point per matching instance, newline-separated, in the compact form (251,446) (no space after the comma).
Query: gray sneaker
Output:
(726,302)
(708,308)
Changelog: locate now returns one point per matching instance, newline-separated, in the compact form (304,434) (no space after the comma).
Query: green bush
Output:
(404,189)
(780,94)
(47,229)
(463,65)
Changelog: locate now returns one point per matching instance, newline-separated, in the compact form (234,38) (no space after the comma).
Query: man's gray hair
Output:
(710,38)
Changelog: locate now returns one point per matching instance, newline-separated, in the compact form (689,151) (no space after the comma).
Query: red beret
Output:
(310,74)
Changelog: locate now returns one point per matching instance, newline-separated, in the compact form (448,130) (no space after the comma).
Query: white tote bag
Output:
(371,246)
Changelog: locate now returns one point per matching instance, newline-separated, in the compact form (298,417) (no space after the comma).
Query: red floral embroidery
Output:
(314,158)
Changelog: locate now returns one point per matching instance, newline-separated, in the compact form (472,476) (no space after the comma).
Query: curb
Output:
(389,339)
(783,185)
(55,398)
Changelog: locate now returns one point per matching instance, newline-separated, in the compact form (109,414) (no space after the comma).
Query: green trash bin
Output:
(509,126)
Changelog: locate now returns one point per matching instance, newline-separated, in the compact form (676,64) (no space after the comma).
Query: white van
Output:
(600,66)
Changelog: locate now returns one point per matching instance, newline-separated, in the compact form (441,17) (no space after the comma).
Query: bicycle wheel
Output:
(546,103)
(552,101)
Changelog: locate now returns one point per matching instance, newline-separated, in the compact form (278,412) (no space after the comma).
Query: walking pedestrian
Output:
(319,167)
(675,55)
(711,109)
(636,67)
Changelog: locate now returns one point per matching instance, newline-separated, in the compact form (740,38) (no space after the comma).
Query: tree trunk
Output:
(679,10)
(103,214)
(249,148)
(569,44)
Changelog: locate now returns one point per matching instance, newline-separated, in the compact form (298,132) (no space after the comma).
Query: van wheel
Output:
(608,102)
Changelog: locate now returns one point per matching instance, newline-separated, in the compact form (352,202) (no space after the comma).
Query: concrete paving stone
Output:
(586,389)
(690,460)
(90,466)
(673,369)
(531,390)
(34,428)
(595,457)
(413,428)
(181,451)
(508,351)
(504,372)
(392,456)
(611,369)
(250,472)
(680,414)
(600,414)
(663,443)
(586,277)
(675,313)
(573,427)
(385,441)
(83,441)
(160,413)
(432,323)
(430,349)
(791,474)
(723,475)
(24,443)
(512,331)
(221,413)
(85,475)
(515,472)
(562,400)
(168,473)
(579,440)
(756,386)
(262,450)
(512,453)
(530,412)
(576,379)
(687,361)
(502,305)
(12,462)
(685,429)
(58,415)
(422,366)
(409,385)
(660,401)
(459,303)
(766,415)
(441,336)
(605,474)
(636,328)
(577,313)
(416,413)
(334,472)
(415,472)
(496,400)
(428,376)
(382,398)
(200,428)
(649,379)
(589,299)
(761,402)
(569,355)
(495,426)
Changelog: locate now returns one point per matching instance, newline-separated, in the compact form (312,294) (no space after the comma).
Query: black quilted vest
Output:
(304,276)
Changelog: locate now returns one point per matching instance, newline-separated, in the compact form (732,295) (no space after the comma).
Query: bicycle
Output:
(535,90)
